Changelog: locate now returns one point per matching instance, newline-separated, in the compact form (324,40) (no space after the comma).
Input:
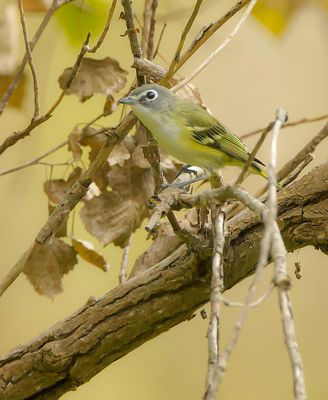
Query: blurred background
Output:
(279,58)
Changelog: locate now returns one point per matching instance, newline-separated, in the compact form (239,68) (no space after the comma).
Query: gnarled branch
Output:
(77,348)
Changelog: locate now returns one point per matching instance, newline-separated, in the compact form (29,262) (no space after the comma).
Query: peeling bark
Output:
(104,330)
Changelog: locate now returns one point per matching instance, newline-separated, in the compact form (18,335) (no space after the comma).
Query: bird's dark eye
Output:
(151,95)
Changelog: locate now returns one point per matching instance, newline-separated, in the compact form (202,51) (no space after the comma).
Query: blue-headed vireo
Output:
(187,131)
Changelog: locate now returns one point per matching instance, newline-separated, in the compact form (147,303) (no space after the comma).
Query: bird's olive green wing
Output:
(206,130)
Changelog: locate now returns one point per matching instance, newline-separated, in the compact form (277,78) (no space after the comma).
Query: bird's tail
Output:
(257,167)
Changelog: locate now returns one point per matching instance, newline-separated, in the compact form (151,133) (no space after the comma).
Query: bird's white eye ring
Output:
(151,95)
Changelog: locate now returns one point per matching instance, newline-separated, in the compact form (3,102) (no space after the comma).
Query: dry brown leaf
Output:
(119,154)
(89,137)
(48,264)
(110,105)
(138,157)
(86,251)
(95,142)
(56,188)
(131,181)
(112,217)
(74,146)
(104,77)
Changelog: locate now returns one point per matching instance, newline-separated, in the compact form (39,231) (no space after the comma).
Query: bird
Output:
(188,132)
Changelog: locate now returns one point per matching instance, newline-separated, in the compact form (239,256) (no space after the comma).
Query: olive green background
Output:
(254,75)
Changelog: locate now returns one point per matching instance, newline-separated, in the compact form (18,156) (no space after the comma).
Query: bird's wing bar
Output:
(221,138)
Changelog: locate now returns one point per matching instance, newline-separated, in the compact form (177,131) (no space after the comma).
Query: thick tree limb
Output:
(102,331)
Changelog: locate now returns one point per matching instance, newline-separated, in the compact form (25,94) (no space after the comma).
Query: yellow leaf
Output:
(275,14)
(86,251)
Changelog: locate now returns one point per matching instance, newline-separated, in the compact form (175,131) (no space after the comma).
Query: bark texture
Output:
(75,349)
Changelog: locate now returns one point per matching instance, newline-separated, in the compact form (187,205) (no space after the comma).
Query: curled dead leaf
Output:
(86,251)
(47,265)
(114,216)
(104,77)
(56,188)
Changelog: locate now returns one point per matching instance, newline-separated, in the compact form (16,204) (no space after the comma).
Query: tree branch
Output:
(102,331)
(30,62)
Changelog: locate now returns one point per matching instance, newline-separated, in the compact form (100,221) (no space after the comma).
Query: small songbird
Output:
(187,131)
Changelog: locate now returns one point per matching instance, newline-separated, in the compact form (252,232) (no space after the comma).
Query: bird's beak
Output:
(127,100)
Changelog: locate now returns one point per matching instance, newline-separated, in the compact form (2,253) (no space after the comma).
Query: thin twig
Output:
(262,262)
(14,137)
(208,31)
(159,40)
(124,263)
(151,37)
(293,166)
(288,125)
(56,4)
(282,280)
(259,207)
(35,161)
(132,34)
(218,50)
(147,40)
(184,34)
(104,32)
(30,62)
(151,151)
(302,154)
(254,304)
(217,286)
(294,175)
(299,159)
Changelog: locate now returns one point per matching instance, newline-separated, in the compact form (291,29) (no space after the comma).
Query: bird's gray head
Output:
(149,97)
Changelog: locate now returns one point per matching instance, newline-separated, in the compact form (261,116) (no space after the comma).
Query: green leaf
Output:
(83,16)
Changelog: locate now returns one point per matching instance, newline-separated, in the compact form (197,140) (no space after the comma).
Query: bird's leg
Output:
(186,183)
